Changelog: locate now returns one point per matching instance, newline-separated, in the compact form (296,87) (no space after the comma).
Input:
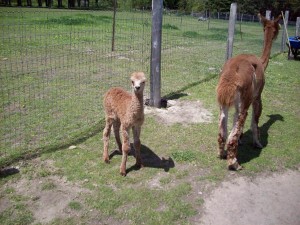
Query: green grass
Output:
(56,92)
(75,205)
(170,26)
(44,112)
(48,186)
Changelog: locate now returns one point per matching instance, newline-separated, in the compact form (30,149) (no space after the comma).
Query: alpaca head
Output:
(138,80)
(271,27)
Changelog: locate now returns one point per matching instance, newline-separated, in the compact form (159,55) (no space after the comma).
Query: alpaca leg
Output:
(256,113)
(235,118)
(137,145)
(106,134)
(125,150)
(233,139)
(223,118)
(116,126)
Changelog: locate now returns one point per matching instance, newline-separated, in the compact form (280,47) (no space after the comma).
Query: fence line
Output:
(55,66)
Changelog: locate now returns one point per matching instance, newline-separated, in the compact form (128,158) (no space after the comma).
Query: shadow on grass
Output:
(180,93)
(8,172)
(247,152)
(149,159)
(74,140)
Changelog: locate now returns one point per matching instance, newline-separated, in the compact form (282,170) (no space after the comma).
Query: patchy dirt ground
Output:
(265,200)
(269,199)
(47,197)
(184,112)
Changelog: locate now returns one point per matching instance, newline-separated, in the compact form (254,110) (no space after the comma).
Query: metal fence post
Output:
(284,34)
(155,68)
(297,26)
(231,28)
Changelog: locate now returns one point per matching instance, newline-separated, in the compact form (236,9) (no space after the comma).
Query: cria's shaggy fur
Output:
(241,83)
(124,110)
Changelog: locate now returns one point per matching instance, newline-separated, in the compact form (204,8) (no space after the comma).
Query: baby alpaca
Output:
(125,110)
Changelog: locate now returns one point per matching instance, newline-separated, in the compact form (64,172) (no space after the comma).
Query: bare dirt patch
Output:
(183,112)
(48,204)
(47,197)
(266,200)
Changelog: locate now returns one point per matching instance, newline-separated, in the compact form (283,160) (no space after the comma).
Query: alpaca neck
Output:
(266,50)
(138,101)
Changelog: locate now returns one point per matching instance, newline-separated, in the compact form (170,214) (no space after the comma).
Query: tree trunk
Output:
(59,3)
(71,3)
(29,3)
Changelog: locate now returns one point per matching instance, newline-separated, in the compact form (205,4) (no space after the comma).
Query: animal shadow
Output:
(149,159)
(5,172)
(246,151)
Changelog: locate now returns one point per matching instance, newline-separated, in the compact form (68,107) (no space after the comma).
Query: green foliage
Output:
(21,215)
(78,19)
(170,26)
(171,4)
(192,5)
(44,172)
(9,190)
(75,205)
(184,156)
(244,6)
(16,212)
(134,4)
(68,21)
(187,6)
(190,34)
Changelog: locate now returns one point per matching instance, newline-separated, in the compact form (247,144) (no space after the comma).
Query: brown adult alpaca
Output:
(241,83)
(125,110)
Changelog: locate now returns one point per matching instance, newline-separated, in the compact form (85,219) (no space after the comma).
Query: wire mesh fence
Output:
(55,66)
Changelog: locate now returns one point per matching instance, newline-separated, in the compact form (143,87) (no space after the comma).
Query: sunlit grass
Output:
(60,104)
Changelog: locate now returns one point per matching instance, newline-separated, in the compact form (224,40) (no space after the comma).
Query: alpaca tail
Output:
(226,93)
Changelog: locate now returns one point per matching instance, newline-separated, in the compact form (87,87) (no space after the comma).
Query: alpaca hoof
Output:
(234,165)
(123,174)
(123,171)
(106,160)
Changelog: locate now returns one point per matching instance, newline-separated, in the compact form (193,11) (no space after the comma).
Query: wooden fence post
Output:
(155,67)
(231,27)
(284,34)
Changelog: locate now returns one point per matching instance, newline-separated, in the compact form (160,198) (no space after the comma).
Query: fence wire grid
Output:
(55,66)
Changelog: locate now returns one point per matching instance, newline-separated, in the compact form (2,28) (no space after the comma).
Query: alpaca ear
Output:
(278,18)
(262,19)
